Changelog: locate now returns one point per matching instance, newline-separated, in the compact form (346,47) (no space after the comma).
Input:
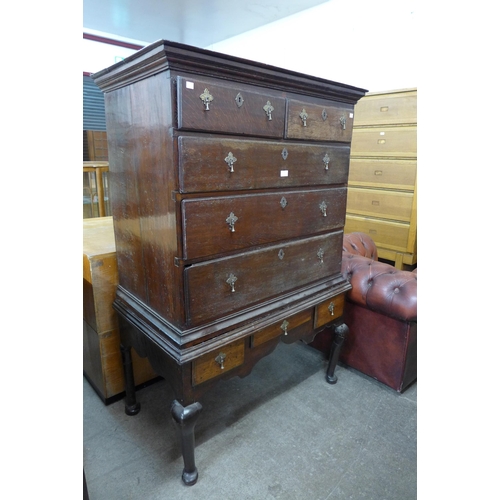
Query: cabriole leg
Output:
(340,333)
(186,418)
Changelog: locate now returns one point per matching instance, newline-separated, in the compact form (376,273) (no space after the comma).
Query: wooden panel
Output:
(261,219)
(329,310)
(278,329)
(378,203)
(224,114)
(323,123)
(258,164)
(389,234)
(383,173)
(385,141)
(388,108)
(206,367)
(260,274)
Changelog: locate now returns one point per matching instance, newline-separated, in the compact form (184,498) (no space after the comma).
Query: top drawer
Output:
(226,108)
(395,108)
(332,122)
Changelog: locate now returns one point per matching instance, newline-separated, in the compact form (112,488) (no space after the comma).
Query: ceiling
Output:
(194,22)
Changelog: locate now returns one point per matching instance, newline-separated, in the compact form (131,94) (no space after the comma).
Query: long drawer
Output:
(222,286)
(394,205)
(389,234)
(222,224)
(383,173)
(385,141)
(215,164)
(223,107)
(328,122)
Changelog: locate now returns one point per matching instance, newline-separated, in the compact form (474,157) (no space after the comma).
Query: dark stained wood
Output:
(173,194)
(258,165)
(262,218)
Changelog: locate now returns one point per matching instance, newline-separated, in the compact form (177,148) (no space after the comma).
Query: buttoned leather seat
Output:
(381,313)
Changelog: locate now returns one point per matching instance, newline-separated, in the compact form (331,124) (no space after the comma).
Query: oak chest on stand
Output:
(228,186)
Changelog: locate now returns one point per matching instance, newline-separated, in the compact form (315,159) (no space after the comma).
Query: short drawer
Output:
(377,203)
(387,109)
(222,224)
(383,173)
(329,122)
(221,164)
(218,362)
(389,234)
(329,310)
(385,141)
(218,107)
(222,286)
(282,327)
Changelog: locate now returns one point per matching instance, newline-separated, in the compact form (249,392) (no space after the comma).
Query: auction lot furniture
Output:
(381,313)
(228,190)
(102,363)
(382,194)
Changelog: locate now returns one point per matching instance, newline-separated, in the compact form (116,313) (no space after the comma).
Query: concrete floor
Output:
(280,433)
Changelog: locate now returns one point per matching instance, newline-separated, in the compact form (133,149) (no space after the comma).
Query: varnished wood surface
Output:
(258,165)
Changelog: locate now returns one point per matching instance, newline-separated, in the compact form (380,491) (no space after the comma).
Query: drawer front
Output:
(329,310)
(385,141)
(218,362)
(223,286)
(222,224)
(389,234)
(282,327)
(217,107)
(317,122)
(395,174)
(212,164)
(375,203)
(386,109)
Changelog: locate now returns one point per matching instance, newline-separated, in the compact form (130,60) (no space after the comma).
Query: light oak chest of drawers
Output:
(228,184)
(382,194)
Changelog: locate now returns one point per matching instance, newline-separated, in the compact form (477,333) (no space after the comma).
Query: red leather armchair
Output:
(381,313)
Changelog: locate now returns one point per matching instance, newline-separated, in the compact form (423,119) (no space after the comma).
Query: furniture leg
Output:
(186,418)
(340,332)
(132,407)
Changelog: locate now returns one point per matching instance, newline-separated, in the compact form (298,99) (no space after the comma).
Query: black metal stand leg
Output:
(132,407)
(340,332)
(186,418)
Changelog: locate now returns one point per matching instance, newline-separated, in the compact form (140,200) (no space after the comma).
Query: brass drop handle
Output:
(303,116)
(284,326)
(326,160)
(220,359)
(231,281)
(231,221)
(230,159)
(206,98)
(343,121)
(321,254)
(323,207)
(268,108)
(331,308)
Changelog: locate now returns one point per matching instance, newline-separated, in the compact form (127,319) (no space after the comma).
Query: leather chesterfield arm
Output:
(376,285)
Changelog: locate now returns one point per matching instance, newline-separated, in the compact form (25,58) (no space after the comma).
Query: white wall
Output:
(365,43)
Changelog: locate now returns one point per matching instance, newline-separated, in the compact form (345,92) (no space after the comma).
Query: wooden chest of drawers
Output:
(228,186)
(382,194)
